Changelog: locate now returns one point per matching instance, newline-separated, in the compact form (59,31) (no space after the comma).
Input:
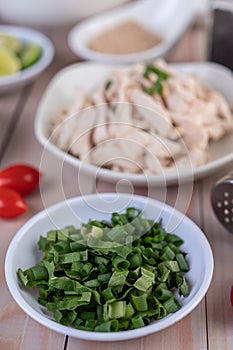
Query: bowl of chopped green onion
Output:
(109,267)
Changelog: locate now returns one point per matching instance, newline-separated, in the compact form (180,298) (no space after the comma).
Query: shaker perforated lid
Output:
(222,201)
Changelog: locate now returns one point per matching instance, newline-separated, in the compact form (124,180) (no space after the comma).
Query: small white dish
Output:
(168,19)
(23,253)
(61,91)
(15,80)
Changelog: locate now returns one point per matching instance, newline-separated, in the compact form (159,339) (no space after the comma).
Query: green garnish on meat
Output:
(157,87)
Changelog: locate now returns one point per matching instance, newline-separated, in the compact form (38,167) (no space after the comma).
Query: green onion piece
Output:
(160,310)
(182,263)
(108,84)
(117,309)
(171,238)
(77,322)
(171,305)
(108,295)
(163,293)
(75,256)
(129,310)
(120,263)
(110,326)
(100,260)
(138,322)
(97,232)
(167,254)
(22,276)
(104,277)
(87,315)
(135,260)
(149,90)
(92,283)
(158,86)
(70,302)
(139,302)
(42,243)
(123,251)
(146,281)
(118,278)
(152,69)
(52,236)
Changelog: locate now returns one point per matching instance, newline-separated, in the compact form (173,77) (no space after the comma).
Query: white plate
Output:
(60,93)
(23,253)
(13,81)
(155,15)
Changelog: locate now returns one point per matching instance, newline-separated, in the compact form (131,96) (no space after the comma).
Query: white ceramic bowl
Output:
(61,92)
(53,12)
(155,15)
(13,81)
(23,253)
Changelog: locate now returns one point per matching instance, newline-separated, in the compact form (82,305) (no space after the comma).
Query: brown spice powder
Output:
(125,38)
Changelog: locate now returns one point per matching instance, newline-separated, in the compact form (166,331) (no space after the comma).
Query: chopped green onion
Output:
(171,305)
(108,84)
(157,87)
(110,276)
(182,262)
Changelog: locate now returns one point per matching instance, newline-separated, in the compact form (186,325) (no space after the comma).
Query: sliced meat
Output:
(156,117)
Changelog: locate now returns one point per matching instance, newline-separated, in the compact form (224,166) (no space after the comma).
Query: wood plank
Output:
(9,104)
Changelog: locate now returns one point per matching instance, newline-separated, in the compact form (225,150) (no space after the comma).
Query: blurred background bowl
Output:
(53,12)
(27,35)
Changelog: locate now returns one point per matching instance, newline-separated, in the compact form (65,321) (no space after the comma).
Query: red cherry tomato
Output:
(231,296)
(21,178)
(11,203)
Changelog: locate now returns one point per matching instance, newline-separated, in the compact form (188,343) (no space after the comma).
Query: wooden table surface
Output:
(209,326)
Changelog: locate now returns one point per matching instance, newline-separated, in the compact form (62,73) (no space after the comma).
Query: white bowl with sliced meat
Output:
(149,124)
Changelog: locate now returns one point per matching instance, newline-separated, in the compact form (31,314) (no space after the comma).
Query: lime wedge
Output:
(9,62)
(30,55)
(10,42)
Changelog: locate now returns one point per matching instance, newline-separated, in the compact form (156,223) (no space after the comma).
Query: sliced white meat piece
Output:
(100,132)
(215,131)
(196,138)
(203,112)
(123,112)
(223,108)
(155,115)
(117,151)
(162,65)
(65,122)
(195,158)
(152,165)
(178,99)
(80,141)
(228,126)
(164,148)
(63,132)
(126,166)
(80,101)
